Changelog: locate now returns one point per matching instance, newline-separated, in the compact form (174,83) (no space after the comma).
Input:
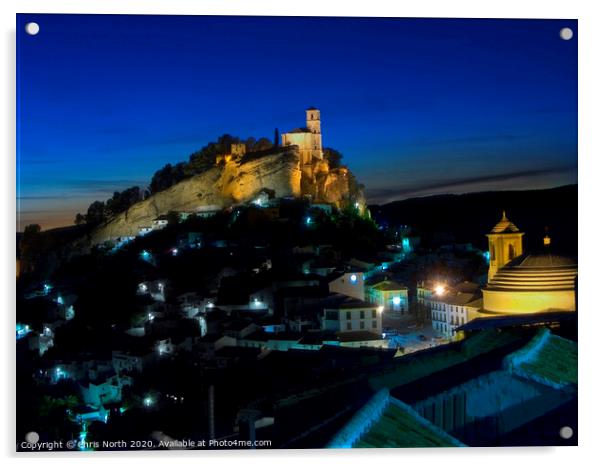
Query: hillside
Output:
(232,183)
(468,217)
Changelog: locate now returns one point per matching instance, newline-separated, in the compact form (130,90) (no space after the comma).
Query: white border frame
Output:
(590,153)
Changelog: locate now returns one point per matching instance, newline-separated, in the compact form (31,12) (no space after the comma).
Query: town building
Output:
(389,295)
(347,314)
(451,307)
(160,222)
(347,283)
(538,281)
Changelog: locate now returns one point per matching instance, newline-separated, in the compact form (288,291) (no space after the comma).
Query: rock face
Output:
(232,183)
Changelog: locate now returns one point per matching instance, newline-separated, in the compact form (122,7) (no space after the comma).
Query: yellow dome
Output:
(532,283)
(536,272)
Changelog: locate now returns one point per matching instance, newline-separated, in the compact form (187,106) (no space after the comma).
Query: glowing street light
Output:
(439,290)
(148,401)
(381,309)
(396,300)
(354,278)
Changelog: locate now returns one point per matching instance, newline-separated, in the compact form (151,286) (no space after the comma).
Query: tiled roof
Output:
(399,427)
(505,226)
(388,285)
(385,422)
(548,359)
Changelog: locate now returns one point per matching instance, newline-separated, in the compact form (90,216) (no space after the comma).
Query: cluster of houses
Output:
(245,315)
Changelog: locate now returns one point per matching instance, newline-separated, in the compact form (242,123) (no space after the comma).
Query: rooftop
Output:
(505,226)
(388,285)
(341,301)
(385,422)
(548,359)
(299,130)
(506,321)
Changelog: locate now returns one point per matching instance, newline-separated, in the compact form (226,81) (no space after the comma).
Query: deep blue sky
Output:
(417,106)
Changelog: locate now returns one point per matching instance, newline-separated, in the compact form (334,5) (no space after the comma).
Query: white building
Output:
(346,314)
(160,222)
(109,390)
(452,307)
(389,295)
(132,361)
(348,283)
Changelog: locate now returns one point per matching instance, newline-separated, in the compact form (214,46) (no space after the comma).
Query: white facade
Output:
(446,317)
(355,319)
(350,284)
(389,295)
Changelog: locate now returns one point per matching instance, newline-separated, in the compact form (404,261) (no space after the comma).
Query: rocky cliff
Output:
(232,183)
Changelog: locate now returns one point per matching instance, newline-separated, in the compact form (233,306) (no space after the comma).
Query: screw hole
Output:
(566,33)
(32,28)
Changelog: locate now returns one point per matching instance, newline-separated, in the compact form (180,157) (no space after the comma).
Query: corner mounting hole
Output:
(566,432)
(32,28)
(566,33)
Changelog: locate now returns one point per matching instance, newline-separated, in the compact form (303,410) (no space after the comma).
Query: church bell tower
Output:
(505,243)
(312,117)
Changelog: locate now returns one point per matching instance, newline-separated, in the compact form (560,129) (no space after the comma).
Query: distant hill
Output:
(468,217)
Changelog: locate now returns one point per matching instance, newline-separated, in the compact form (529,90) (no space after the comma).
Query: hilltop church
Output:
(308,139)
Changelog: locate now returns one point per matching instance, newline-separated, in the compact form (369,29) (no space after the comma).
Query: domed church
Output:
(521,283)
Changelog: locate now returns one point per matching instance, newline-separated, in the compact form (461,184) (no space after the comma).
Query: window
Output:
(510,251)
(374,313)
(362,314)
(492,253)
(348,315)
(373,324)
(348,325)
(362,324)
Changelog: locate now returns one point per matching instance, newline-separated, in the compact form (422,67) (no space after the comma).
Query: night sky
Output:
(417,106)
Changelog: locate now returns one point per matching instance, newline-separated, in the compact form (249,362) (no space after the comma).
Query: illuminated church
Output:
(309,141)
(520,283)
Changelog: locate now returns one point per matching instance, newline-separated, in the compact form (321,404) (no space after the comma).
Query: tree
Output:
(80,219)
(122,201)
(333,157)
(31,245)
(96,213)
(262,144)
(168,176)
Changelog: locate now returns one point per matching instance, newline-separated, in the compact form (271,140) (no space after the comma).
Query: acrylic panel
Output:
(295,232)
